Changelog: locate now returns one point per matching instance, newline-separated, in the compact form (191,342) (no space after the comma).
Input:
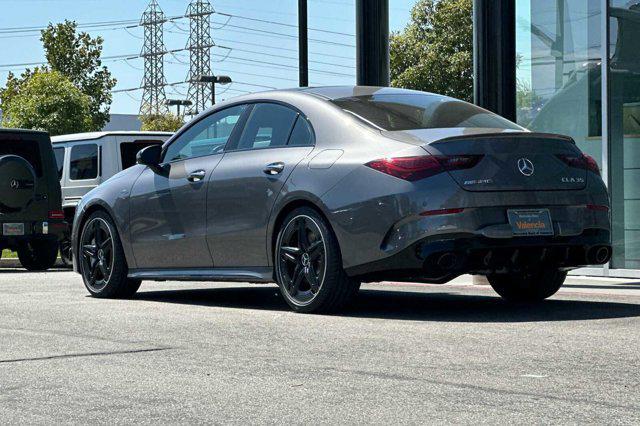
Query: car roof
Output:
(332,92)
(99,135)
(339,92)
(25,131)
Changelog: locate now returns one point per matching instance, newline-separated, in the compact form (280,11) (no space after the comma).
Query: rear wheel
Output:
(38,255)
(309,266)
(527,287)
(65,253)
(101,259)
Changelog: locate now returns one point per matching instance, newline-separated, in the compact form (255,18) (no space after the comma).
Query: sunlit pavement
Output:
(212,352)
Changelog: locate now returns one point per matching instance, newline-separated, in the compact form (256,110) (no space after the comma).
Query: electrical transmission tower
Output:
(200,44)
(153,51)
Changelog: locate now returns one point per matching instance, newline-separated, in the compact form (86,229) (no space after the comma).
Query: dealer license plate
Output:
(530,222)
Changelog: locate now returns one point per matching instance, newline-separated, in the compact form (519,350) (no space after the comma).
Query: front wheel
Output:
(101,259)
(527,287)
(309,265)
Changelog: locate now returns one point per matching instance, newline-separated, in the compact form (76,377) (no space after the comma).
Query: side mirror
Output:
(149,156)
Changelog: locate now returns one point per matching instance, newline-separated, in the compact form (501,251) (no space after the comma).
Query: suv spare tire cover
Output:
(17,183)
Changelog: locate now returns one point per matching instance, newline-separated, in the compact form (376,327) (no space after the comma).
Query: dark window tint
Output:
(416,111)
(207,136)
(59,153)
(29,150)
(269,125)
(129,151)
(301,134)
(83,162)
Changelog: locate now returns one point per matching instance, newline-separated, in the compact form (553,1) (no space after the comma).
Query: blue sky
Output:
(261,56)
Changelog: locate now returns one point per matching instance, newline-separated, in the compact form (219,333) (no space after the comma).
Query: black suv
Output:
(31,217)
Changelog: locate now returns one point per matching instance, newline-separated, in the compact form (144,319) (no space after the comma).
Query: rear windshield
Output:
(29,150)
(417,111)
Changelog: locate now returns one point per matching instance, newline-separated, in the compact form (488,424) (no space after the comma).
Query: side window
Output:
(208,136)
(59,153)
(268,125)
(301,134)
(83,163)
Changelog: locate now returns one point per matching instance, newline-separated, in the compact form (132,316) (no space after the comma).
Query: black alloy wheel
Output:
(65,253)
(96,254)
(308,264)
(302,259)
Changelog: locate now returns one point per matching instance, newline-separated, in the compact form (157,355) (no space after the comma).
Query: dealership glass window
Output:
(558,73)
(83,163)
(559,89)
(624,131)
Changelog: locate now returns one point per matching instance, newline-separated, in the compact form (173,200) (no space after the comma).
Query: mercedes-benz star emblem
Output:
(14,184)
(525,166)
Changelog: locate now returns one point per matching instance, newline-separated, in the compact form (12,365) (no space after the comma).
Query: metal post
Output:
(213,93)
(494,65)
(372,42)
(303,44)
(605,52)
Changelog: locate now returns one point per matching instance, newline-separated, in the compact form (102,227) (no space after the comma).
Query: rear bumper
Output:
(442,258)
(54,229)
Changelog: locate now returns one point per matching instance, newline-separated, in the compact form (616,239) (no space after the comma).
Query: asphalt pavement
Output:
(234,353)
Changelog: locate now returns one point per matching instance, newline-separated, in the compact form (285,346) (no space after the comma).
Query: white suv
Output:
(85,160)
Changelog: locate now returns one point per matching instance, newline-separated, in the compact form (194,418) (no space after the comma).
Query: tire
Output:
(65,253)
(101,259)
(17,183)
(38,255)
(528,287)
(309,265)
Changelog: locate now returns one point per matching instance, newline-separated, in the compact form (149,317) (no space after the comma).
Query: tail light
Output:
(597,207)
(56,214)
(582,161)
(424,166)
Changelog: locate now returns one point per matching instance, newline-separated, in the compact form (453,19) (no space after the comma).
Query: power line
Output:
(284,24)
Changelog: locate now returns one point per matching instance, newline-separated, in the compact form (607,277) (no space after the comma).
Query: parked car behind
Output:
(31,216)
(85,160)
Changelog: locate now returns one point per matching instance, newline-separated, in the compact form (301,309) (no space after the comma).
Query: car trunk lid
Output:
(508,161)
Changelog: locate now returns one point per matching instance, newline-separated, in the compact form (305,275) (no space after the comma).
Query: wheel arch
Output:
(87,211)
(287,207)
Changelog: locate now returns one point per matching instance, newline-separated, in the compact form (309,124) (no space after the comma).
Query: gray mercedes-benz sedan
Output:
(320,189)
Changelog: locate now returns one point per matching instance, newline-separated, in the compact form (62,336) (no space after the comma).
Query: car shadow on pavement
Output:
(406,305)
(24,271)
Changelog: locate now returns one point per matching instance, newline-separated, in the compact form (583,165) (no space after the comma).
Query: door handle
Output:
(196,176)
(274,168)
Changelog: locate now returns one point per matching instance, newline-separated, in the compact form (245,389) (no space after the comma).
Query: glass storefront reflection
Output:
(559,78)
(624,132)
(558,69)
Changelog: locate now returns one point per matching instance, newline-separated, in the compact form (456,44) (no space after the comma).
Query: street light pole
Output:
(178,103)
(213,79)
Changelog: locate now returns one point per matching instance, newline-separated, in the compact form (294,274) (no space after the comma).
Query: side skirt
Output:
(257,275)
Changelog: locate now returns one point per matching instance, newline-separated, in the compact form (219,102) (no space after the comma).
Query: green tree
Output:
(77,57)
(161,122)
(434,52)
(49,101)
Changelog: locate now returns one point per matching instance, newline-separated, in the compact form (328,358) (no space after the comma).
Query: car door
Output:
(168,205)
(246,183)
